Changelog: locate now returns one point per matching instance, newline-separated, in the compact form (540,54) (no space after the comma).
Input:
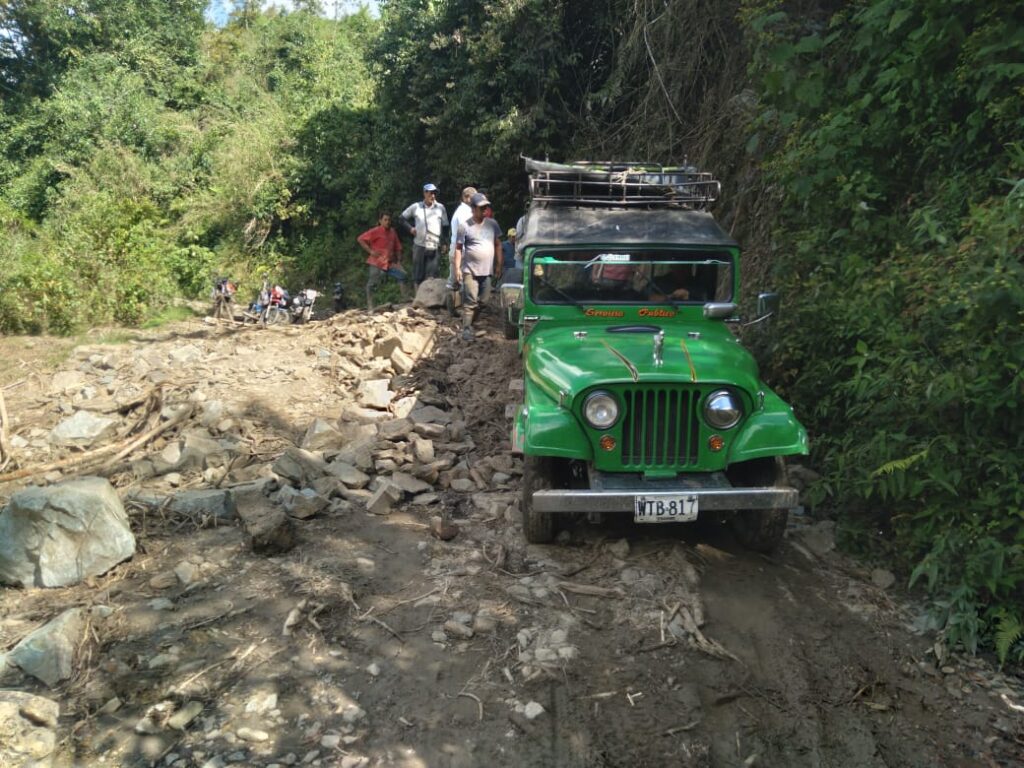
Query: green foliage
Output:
(899,252)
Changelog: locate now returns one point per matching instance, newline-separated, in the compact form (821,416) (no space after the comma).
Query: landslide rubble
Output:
(327,569)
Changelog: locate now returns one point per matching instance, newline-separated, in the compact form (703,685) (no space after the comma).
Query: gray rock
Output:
(375,393)
(200,503)
(401,362)
(27,723)
(430,414)
(882,578)
(358,414)
(59,535)
(356,432)
(190,711)
(431,293)
(304,504)
(82,430)
(187,572)
(300,467)
(67,381)
(386,346)
(533,710)
(189,353)
(49,653)
(409,484)
(423,450)
(384,499)
(349,475)
(269,527)
(321,435)
(397,429)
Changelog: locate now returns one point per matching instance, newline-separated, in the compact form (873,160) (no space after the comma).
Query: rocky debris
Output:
(62,534)
(183,355)
(442,529)
(384,499)
(82,430)
(187,572)
(203,504)
(300,467)
(27,730)
(181,719)
(375,393)
(302,504)
(347,474)
(48,654)
(533,710)
(321,435)
(431,293)
(268,526)
(67,381)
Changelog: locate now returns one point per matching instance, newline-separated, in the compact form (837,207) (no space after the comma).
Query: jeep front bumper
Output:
(623,500)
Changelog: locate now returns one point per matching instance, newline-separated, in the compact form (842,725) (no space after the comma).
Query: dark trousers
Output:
(424,263)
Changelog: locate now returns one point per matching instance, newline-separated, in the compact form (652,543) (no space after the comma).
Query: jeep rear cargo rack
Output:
(616,184)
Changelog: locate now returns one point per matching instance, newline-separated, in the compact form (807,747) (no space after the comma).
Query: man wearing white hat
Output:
(426,220)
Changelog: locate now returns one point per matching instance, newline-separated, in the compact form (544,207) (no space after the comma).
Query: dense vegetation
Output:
(871,151)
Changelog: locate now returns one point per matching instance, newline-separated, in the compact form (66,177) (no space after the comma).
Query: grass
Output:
(173,314)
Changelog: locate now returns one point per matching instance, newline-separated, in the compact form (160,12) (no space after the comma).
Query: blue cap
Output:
(428,187)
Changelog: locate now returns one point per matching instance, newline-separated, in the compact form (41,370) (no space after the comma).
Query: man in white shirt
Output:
(426,220)
(462,213)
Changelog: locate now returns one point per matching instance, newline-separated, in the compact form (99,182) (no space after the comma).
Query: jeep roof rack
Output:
(590,183)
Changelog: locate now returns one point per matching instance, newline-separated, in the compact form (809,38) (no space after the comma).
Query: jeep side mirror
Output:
(512,295)
(767,304)
(719,310)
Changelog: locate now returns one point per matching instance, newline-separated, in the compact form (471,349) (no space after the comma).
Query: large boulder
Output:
(62,534)
(431,293)
(27,730)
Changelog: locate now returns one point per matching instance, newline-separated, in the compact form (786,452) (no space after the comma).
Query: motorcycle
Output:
(224,298)
(301,306)
(270,307)
(338,297)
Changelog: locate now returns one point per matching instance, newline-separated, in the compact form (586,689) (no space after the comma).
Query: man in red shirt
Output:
(384,249)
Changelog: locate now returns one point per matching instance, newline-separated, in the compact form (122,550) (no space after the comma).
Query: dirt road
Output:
(372,642)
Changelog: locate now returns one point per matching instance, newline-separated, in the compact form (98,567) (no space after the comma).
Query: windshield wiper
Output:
(562,293)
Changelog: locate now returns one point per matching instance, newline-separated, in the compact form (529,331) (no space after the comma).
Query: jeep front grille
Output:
(660,427)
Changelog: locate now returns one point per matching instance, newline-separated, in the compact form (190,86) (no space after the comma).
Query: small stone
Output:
(251,734)
(442,529)
(180,720)
(353,714)
(882,578)
(147,726)
(568,652)
(330,741)
(619,549)
(111,706)
(373,670)
(162,660)
(186,572)
(164,580)
(463,485)
(261,703)
(173,479)
(458,629)
(160,604)
(384,499)
(311,756)
(533,710)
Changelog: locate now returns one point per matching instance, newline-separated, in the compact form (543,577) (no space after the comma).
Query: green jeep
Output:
(638,398)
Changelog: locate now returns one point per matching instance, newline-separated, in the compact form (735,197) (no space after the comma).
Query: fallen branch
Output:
(122,450)
(590,590)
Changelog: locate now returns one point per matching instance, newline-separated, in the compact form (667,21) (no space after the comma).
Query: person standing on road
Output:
(508,250)
(426,220)
(477,257)
(462,213)
(384,251)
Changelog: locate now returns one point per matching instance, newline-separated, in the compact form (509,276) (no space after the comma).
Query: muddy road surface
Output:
(330,571)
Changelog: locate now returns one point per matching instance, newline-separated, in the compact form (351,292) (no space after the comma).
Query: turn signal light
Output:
(716,443)
(608,443)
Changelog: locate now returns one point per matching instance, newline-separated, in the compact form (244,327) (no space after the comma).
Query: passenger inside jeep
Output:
(627,278)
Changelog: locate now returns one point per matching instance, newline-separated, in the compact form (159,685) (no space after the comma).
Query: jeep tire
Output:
(511,328)
(538,527)
(761,530)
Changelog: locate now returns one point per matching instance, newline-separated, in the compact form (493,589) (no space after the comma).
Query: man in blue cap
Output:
(425,220)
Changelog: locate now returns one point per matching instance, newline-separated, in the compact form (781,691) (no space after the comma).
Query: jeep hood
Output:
(559,362)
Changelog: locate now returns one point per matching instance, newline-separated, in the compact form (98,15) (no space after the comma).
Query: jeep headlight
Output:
(722,409)
(600,410)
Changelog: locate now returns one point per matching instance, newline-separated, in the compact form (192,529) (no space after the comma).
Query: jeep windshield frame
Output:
(625,275)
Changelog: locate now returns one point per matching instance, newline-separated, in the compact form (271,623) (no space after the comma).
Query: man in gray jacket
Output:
(425,220)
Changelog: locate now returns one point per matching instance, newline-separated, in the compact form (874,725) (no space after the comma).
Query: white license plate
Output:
(665,509)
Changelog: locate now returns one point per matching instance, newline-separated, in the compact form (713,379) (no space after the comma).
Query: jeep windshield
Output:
(628,276)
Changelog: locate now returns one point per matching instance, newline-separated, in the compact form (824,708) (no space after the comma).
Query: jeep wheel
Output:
(539,527)
(760,530)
